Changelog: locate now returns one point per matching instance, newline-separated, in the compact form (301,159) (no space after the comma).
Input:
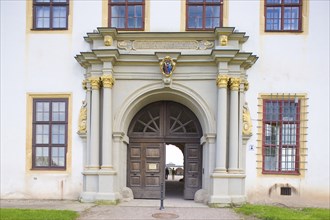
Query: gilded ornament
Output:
(95,82)
(84,84)
(234,83)
(246,85)
(167,66)
(83,118)
(107,81)
(108,41)
(223,40)
(222,81)
(247,124)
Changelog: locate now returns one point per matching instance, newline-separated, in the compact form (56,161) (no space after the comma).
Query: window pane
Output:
(116,1)
(291,18)
(134,16)
(271,134)
(118,11)
(59,17)
(58,111)
(271,158)
(289,133)
(212,1)
(42,0)
(272,111)
(134,0)
(194,1)
(291,1)
(289,111)
(42,134)
(195,16)
(42,111)
(273,1)
(42,156)
(118,22)
(118,16)
(42,16)
(58,156)
(59,0)
(273,18)
(58,134)
(288,159)
(212,16)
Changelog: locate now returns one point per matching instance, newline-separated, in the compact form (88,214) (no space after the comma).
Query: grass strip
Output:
(36,214)
(266,212)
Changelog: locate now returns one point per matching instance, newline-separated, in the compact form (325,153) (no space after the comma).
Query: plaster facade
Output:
(42,63)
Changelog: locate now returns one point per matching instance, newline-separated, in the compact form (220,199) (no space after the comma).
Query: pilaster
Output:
(107,81)
(234,84)
(95,121)
(221,141)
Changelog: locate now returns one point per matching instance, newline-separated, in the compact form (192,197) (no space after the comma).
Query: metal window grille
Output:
(286,191)
(281,134)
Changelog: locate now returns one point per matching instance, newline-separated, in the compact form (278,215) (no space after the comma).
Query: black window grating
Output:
(285,191)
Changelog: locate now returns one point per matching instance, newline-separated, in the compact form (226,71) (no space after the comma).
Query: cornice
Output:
(148,48)
(232,57)
(101,32)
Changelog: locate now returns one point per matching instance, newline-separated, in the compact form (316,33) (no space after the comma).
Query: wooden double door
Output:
(155,125)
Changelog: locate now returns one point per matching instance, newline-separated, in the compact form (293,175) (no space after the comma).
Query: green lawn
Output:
(33,214)
(279,213)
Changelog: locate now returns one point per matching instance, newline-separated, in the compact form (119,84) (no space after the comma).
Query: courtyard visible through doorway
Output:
(174,172)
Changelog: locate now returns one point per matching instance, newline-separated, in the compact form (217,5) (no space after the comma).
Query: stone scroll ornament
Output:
(167,66)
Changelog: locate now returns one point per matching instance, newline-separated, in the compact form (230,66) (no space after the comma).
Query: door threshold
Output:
(168,202)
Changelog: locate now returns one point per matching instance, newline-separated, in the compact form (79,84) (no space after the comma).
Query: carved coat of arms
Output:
(167,66)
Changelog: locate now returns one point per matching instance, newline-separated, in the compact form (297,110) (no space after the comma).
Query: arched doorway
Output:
(154,126)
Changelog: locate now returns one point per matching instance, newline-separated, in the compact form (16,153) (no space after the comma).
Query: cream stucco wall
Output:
(43,62)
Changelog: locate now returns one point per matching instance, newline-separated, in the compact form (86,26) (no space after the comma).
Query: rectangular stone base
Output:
(227,189)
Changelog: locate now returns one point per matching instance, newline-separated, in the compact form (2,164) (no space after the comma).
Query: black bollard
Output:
(161,196)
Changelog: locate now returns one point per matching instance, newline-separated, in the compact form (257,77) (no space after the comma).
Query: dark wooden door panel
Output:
(146,170)
(193,170)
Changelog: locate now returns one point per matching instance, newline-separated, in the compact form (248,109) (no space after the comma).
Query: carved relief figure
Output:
(247,124)
(83,118)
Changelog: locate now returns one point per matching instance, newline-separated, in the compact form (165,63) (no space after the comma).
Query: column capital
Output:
(107,81)
(234,83)
(95,82)
(222,81)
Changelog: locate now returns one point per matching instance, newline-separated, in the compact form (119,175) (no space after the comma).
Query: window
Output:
(126,14)
(281,134)
(283,15)
(204,14)
(50,132)
(50,14)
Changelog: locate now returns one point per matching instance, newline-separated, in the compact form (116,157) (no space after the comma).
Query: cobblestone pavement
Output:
(135,209)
